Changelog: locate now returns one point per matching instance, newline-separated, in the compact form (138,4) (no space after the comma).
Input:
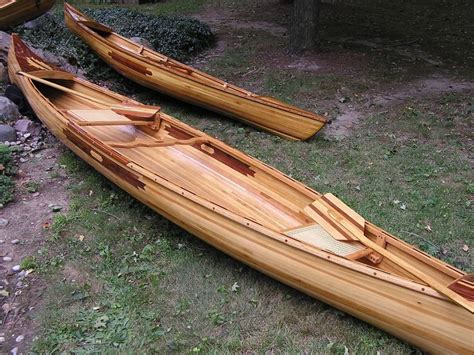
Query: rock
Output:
(7,258)
(3,74)
(56,208)
(2,339)
(16,96)
(3,222)
(142,42)
(19,338)
(5,40)
(15,241)
(16,268)
(14,351)
(25,126)
(8,110)
(60,62)
(7,133)
(2,241)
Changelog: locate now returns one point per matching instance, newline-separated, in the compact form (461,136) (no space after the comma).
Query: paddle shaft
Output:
(415,272)
(65,89)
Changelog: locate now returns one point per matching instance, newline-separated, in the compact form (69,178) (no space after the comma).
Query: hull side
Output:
(280,122)
(22,11)
(431,323)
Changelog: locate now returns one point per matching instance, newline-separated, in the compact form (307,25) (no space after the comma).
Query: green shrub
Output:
(29,263)
(7,186)
(175,36)
(5,155)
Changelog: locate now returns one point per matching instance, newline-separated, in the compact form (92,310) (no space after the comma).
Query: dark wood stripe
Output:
(344,214)
(132,65)
(108,163)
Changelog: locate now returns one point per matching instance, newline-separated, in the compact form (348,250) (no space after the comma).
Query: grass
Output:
(123,279)
(160,290)
(154,288)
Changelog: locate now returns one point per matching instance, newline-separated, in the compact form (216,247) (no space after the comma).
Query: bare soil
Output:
(29,217)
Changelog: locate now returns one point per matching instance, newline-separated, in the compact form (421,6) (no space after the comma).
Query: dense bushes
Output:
(174,36)
(7,185)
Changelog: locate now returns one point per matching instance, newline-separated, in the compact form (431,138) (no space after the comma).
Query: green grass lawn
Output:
(122,278)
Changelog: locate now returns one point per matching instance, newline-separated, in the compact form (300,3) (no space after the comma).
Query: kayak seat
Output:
(317,236)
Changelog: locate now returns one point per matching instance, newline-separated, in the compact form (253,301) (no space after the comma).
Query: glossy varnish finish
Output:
(158,72)
(15,12)
(250,210)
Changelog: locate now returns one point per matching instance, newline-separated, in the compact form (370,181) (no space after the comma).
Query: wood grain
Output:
(173,78)
(16,12)
(245,214)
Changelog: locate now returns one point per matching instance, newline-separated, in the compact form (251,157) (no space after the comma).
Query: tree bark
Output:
(305,23)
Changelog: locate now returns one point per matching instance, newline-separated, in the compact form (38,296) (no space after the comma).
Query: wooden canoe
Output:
(15,12)
(173,78)
(253,212)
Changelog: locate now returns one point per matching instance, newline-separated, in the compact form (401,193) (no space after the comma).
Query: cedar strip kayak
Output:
(251,211)
(158,72)
(15,12)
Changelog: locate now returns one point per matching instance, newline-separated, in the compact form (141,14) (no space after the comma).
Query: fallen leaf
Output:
(403,206)
(101,322)
(4,293)
(81,238)
(235,287)
(465,248)
(428,228)
(396,202)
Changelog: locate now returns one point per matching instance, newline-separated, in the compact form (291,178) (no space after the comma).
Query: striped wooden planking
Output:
(249,210)
(173,78)
(15,12)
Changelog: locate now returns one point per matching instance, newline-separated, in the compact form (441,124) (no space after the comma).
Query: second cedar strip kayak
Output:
(253,212)
(15,12)
(176,79)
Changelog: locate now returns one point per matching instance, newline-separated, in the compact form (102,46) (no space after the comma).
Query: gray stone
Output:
(19,338)
(14,351)
(58,61)
(56,208)
(16,268)
(15,241)
(7,258)
(3,73)
(3,222)
(7,133)
(142,42)
(5,40)
(8,110)
(25,126)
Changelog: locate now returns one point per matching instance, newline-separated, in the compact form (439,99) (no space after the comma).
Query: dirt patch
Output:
(434,86)
(28,219)
(350,116)
(342,125)
(75,275)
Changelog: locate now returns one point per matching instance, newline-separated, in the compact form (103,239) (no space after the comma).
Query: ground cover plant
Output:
(7,185)
(173,35)
(121,278)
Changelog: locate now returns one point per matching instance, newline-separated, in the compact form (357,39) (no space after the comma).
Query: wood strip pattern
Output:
(17,12)
(244,215)
(166,75)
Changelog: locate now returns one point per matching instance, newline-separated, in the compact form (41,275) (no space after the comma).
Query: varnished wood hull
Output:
(409,310)
(20,11)
(281,119)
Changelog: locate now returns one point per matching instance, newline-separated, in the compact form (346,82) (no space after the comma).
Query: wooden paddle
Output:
(135,111)
(357,234)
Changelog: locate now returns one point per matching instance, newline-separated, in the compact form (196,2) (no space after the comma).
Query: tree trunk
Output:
(304,27)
